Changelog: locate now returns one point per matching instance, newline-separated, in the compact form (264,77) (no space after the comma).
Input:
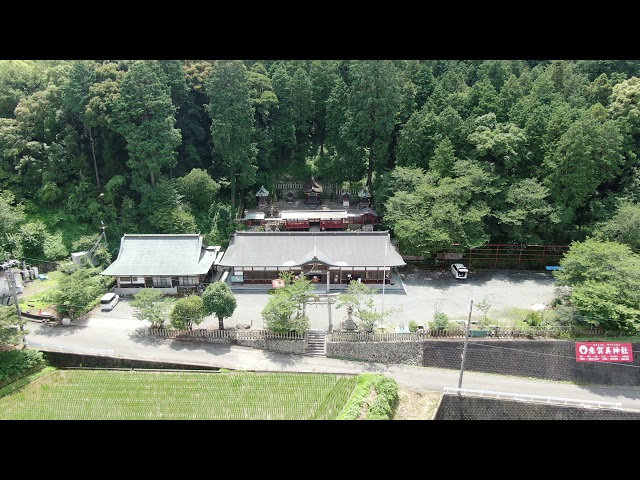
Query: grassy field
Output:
(136,395)
(34,296)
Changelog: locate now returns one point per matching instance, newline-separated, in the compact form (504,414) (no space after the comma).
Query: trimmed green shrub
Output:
(15,364)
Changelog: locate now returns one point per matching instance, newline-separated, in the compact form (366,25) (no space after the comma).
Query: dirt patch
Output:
(417,404)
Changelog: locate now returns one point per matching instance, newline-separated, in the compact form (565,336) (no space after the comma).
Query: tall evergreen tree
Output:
(374,101)
(232,120)
(144,116)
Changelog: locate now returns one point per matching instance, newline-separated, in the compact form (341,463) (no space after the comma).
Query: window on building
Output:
(187,281)
(161,281)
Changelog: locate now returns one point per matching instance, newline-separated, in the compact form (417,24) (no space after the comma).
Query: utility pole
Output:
(464,349)
(11,281)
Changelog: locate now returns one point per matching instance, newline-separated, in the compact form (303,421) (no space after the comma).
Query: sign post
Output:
(604,352)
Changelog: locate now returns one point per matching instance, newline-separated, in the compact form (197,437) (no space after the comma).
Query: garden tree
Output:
(223,224)
(198,188)
(484,306)
(232,121)
(604,284)
(78,291)
(373,103)
(588,156)
(285,310)
(358,298)
(302,113)
(284,134)
(218,300)
(623,227)
(163,210)
(323,75)
(187,312)
(441,211)
(143,114)
(12,330)
(75,95)
(11,215)
(503,145)
(151,305)
(526,212)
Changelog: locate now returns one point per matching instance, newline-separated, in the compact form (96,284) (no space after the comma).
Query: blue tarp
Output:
(552,267)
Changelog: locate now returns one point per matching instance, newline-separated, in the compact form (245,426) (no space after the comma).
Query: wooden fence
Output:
(493,255)
(329,190)
(231,334)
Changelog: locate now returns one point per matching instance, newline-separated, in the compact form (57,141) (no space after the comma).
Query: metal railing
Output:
(49,347)
(520,397)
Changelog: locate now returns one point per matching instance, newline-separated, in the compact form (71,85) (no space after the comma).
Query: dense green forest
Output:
(453,151)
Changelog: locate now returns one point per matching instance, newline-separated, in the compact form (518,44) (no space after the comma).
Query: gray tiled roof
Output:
(272,249)
(162,255)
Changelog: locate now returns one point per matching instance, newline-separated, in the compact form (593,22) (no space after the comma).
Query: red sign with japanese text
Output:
(603,352)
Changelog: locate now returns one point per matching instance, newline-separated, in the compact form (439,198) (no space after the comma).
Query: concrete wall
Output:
(67,360)
(545,359)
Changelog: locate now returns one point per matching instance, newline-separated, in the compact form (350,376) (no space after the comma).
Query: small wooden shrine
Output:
(365,198)
(262,196)
(313,192)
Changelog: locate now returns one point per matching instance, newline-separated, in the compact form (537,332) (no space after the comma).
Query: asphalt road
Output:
(118,333)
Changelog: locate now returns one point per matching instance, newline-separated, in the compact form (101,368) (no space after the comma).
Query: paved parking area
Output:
(426,291)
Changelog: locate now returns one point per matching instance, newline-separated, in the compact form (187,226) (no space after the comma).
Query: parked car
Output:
(109,301)
(459,270)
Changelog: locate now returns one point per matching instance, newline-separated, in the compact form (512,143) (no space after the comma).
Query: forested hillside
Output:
(467,152)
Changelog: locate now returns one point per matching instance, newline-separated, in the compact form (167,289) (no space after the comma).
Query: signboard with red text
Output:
(603,352)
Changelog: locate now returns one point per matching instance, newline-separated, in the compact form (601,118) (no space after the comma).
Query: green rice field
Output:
(169,395)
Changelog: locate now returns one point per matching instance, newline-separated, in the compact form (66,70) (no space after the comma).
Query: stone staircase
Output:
(316,343)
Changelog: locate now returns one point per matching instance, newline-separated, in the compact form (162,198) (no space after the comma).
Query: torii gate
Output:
(318,298)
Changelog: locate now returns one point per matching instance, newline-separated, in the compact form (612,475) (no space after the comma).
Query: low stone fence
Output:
(263,339)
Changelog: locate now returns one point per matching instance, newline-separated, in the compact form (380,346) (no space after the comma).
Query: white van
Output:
(459,270)
(109,301)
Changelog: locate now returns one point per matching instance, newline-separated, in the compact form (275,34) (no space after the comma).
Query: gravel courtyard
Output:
(426,290)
